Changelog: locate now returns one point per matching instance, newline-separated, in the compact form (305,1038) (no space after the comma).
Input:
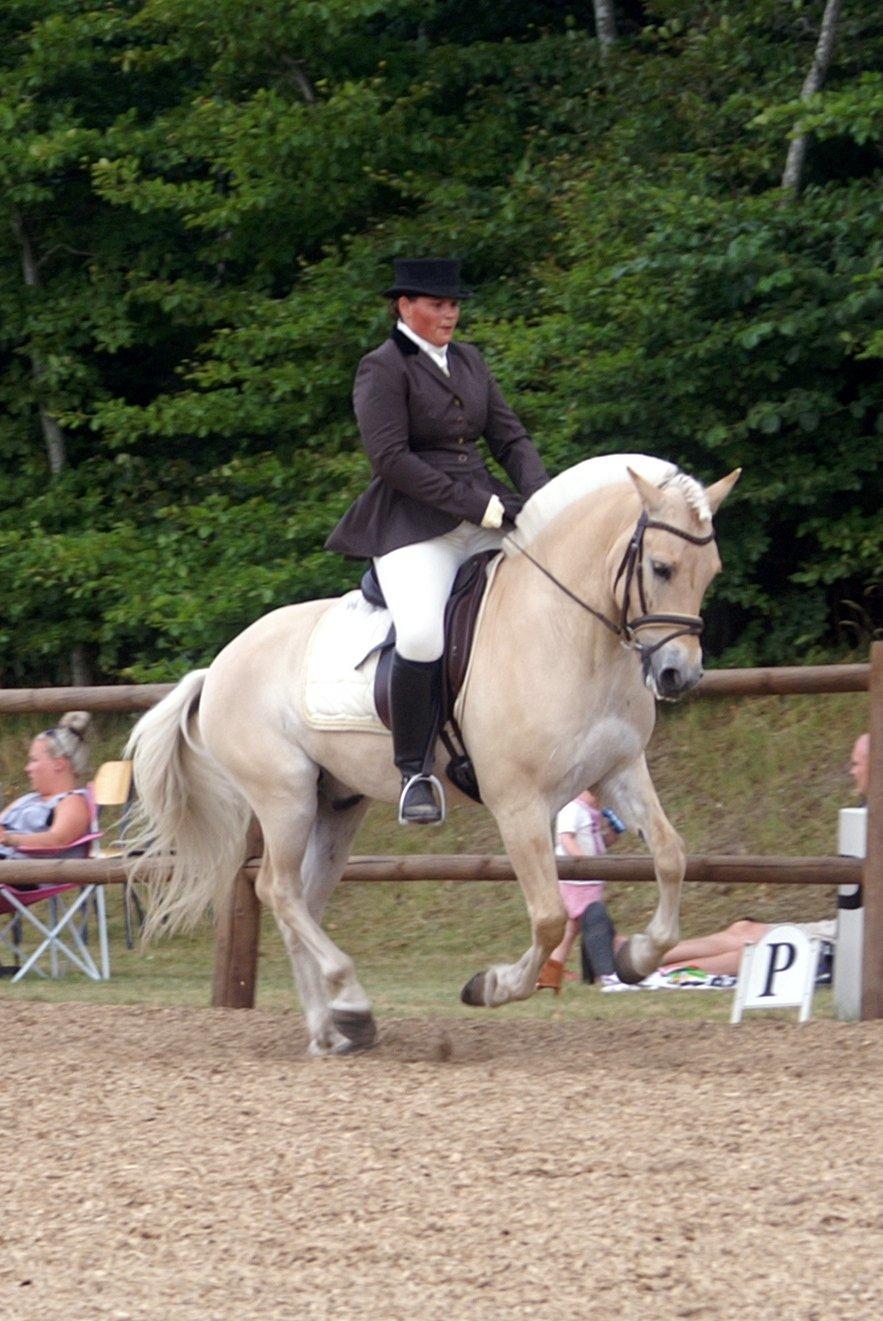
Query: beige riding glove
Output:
(493,515)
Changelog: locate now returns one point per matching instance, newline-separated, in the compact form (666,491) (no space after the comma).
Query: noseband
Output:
(631,569)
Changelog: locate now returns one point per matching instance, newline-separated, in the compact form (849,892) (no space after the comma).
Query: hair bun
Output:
(76,721)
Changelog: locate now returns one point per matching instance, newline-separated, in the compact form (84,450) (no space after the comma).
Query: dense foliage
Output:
(201,201)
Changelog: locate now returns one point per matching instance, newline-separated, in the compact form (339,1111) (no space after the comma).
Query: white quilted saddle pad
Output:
(335,694)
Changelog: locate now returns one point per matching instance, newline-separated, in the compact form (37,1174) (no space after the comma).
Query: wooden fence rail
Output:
(782,681)
(238,927)
(464,868)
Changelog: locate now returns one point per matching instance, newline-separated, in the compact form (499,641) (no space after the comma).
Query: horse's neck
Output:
(576,547)
(566,674)
(556,638)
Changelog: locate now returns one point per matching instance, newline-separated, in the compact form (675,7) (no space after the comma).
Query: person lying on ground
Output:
(721,951)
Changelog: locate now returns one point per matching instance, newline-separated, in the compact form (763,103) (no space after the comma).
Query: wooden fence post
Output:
(237,932)
(872,952)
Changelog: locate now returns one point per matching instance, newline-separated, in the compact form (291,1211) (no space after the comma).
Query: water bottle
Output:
(618,827)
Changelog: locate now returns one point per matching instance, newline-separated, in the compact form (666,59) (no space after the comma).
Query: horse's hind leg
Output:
(338,817)
(527,836)
(305,849)
(632,793)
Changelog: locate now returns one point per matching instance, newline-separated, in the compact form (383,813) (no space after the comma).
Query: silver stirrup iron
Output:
(439,792)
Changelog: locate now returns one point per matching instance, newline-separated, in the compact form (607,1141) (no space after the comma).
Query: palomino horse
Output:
(592,614)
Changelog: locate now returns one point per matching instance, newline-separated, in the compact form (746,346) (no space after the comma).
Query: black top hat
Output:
(432,277)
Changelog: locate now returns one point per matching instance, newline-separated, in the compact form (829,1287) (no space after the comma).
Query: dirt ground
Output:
(196,1164)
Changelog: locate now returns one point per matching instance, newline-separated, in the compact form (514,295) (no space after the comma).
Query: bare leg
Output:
(562,953)
(527,840)
(720,952)
(720,963)
(730,941)
(633,793)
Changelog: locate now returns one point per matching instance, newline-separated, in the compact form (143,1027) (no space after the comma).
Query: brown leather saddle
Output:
(461,614)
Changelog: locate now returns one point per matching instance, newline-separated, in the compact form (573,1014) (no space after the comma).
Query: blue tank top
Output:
(31,814)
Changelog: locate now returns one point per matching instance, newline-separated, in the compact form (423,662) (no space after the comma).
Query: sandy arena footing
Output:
(196,1164)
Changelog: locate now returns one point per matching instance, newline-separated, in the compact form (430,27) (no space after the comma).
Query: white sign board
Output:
(852,832)
(852,838)
(777,973)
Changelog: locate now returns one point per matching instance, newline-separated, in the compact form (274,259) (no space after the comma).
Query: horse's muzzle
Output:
(672,672)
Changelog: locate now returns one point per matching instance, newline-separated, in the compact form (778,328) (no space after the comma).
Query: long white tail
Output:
(187,810)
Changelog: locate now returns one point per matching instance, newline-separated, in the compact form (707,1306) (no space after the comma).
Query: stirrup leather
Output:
(439,790)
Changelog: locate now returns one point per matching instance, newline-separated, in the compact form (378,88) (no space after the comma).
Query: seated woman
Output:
(56,811)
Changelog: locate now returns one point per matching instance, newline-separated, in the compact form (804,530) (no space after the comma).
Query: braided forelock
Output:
(694,494)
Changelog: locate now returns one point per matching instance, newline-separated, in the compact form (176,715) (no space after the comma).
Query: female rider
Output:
(421,402)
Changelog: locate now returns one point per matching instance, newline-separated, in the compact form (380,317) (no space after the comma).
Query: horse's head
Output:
(664,574)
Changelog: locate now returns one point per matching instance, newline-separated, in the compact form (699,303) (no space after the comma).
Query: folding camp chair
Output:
(65,934)
(113,788)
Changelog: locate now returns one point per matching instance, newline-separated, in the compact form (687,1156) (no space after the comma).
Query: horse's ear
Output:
(651,496)
(717,494)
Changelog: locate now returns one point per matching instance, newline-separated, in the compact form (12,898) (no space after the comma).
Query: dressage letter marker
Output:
(777,973)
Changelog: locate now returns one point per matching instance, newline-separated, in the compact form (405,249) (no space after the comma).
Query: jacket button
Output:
(458,402)
(460,440)
(462,458)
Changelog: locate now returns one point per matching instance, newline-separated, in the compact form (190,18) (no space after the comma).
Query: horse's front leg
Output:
(527,837)
(632,792)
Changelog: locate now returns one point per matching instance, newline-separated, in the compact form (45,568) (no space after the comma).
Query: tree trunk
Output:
(605,25)
(53,436)
(81,670)
(793,175)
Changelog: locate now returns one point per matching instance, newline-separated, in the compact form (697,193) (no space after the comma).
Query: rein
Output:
(631,567)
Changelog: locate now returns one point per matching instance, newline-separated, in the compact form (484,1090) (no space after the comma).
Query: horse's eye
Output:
(661,570)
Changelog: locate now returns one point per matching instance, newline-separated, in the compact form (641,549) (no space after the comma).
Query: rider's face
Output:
(433,319)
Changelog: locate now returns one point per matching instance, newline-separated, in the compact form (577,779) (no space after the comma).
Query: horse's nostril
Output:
(670,679)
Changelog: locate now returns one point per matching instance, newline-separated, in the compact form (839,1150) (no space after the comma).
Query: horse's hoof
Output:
(473,991)
(359,1028)
(625,969)
(354,1047)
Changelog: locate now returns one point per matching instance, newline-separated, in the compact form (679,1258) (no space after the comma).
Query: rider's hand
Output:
(494,514)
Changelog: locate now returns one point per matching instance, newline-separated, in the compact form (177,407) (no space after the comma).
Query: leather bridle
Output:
(631,569)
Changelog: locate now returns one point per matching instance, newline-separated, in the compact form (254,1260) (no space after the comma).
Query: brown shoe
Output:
(551,976)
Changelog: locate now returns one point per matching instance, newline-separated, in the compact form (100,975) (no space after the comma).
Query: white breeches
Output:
(417,580)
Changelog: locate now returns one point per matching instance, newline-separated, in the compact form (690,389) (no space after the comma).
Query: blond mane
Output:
(594,475)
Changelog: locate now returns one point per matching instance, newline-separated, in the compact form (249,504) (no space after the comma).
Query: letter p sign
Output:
(778,972)
(780,957)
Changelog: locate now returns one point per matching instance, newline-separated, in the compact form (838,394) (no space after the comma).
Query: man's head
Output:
(859,764)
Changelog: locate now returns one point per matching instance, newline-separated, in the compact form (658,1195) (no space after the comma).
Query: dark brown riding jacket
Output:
(419,428)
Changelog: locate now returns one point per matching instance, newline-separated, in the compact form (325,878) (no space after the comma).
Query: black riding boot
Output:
(414,694)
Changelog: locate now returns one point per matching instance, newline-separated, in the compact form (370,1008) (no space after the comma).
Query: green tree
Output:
(201,202)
